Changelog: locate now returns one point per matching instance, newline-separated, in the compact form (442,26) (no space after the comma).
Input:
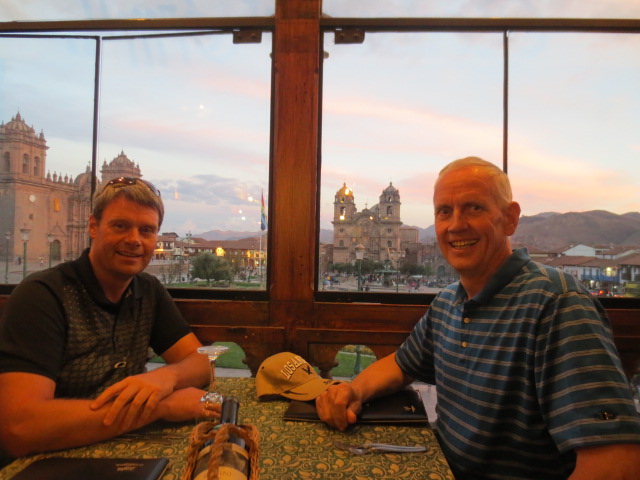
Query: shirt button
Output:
(464,344)
(604,415)
(467,320)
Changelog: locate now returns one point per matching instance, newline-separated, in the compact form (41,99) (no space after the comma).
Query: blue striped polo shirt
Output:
(526,372)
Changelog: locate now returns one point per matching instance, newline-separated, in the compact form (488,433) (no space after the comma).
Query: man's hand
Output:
(135,398)
(339,406)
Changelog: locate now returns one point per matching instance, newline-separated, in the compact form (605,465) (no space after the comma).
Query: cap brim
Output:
(309,390)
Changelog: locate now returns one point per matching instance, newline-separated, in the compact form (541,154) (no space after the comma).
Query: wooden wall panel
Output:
(224,312)
(375,317)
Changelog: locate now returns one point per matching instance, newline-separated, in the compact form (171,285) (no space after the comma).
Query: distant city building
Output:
(602,268)
(53,209)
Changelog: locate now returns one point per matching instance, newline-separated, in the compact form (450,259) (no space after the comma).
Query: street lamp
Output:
(188,255)
(398,256)
(50,240)
(360,249)
(7,236)
(25,238)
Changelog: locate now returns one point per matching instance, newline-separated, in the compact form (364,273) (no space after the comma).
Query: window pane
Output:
(396,109)
(573,130)
(40,10)
(193,114)
(496,8)
(47,88)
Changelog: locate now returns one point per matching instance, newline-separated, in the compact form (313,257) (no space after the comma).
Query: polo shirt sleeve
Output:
(583,393)
(415,354)
(169,325)
(32,331)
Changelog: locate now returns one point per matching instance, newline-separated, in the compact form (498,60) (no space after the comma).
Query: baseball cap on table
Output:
(291,376)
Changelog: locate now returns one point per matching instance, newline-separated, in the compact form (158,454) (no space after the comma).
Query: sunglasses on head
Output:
(128,181)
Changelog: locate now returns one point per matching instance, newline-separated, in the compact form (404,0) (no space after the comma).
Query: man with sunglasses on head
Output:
(75,339)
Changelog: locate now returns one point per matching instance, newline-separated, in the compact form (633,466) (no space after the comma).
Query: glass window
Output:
(572,124)
(573,131)
(396,109)
(41,10)
(495,9)
(192,113)
(188,113)
(46,118)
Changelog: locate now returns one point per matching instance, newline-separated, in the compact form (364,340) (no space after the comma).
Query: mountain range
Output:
(549,231)
(544,231)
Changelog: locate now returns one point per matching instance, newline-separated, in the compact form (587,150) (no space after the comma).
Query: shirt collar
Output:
(84,269)
(499,280)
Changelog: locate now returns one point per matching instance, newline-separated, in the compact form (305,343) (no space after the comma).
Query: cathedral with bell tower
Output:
(377,229)
(48,212)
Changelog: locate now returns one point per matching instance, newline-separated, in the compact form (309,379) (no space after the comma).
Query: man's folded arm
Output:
(32,420)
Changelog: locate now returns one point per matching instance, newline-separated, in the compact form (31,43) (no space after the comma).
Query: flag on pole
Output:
(263,216)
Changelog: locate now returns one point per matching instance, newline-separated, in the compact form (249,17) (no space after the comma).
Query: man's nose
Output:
(458,221)
(133,236)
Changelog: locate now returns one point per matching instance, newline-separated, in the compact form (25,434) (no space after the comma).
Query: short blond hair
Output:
(503,192)
(133,189)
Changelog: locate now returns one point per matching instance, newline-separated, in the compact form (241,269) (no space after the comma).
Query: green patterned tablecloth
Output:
(288,450)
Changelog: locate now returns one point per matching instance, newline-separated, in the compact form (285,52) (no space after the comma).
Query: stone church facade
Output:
(53,209)
(378,228)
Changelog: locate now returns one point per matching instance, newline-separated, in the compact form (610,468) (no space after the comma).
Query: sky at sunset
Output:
(194,112)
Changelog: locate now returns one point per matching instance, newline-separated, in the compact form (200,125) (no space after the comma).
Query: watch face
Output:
(32,198)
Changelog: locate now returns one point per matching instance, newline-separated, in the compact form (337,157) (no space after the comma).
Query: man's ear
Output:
(512,217)
(93,227)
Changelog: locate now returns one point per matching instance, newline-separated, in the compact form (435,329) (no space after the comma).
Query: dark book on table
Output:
(64,468)
(403,406)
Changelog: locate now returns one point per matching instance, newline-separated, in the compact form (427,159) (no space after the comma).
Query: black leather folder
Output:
(403,406)
(66,468)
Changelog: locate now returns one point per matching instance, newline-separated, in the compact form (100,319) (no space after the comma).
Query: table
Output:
(288,450)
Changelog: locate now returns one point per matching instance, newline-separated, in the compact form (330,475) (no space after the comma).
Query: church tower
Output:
(344,205)
(23,190)
(35,207)
(389,211)
(120,166)
(390,204)
(23,152)
(344,212)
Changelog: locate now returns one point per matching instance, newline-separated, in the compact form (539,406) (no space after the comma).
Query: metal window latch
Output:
(349,35)
(247,36)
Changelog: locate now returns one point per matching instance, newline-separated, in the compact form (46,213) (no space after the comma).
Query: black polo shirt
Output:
(59,324)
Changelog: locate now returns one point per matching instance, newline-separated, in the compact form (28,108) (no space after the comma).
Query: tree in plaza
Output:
(410,269)
(369,266)
(341,267)
(210,267)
